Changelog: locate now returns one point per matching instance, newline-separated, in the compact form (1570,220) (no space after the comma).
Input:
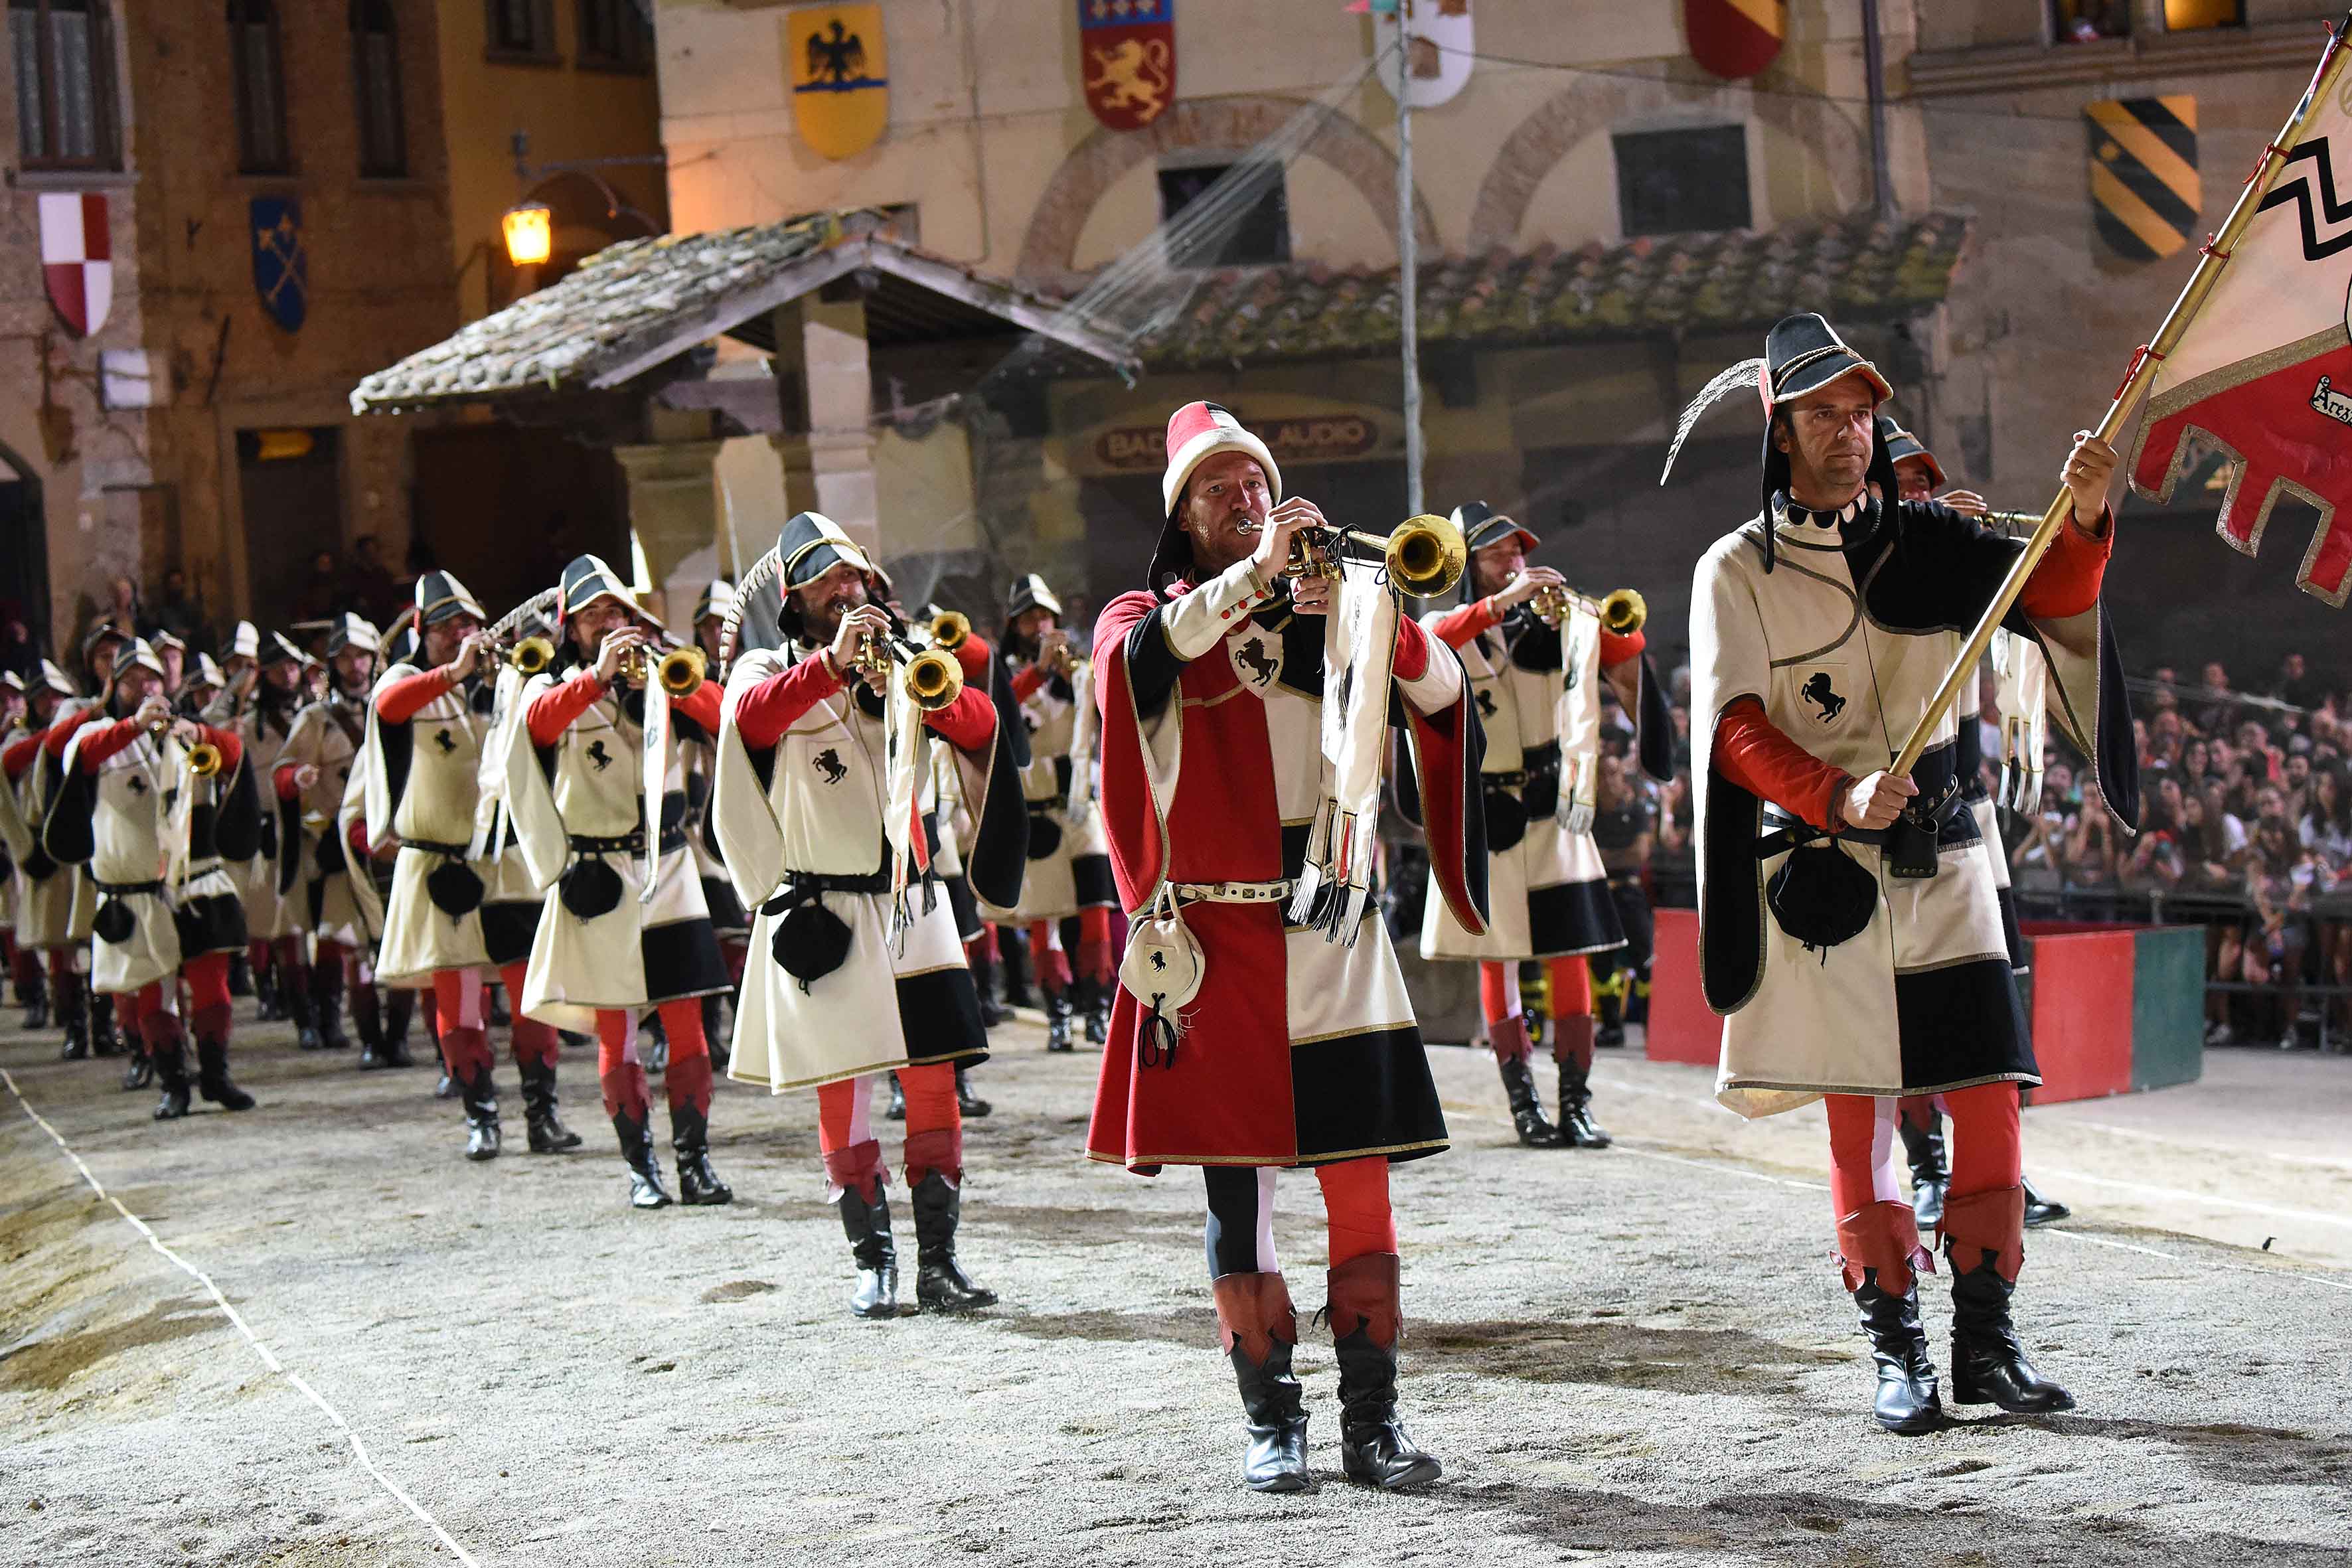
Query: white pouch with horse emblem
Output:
(1162,970)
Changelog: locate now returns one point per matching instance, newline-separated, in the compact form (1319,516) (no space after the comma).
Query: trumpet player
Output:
(698,751)
(1298,1049)
(150,804)
(1066,894)
(265,697)
(828,828)
(313,770)
(1534,663)
(613,941)
(47,893)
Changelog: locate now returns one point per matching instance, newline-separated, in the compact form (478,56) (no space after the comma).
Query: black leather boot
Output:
(1367,1318)
(212,1077)
(1577,1127)
(138,1072)
(73,1013)
(1608,1000)
(1907,1398)
(1013,960)
(1535,1129)
(367,1017)
(1259,1328)
(635,1133)
(970,1104)
(2041,1209)
(170,1059)
(1983,1232)
(327,1007)
(1097,1008)
(544,1131)
(690,1139)
(268,994)
(77,1046)
(1922,1147)
(993,1011)
(399,1012)
(897,1111)
(240,976)
(715,1036)
(500,1015)
(294,995)
(653,1046)
(868,1227)
(105,1039)
(481,1097)
(1057,1021)
(34,996)
(941,1283)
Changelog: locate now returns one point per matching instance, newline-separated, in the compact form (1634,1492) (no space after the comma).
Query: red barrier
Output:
(1682,1028)
(2083,1013)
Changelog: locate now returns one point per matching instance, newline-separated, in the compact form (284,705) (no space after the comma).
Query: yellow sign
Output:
(841,77)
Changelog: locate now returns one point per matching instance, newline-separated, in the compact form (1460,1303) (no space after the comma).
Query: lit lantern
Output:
(530,234)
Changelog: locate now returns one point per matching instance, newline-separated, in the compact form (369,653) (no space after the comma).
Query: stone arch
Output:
(25,547)
(1538,144)
(1235,124)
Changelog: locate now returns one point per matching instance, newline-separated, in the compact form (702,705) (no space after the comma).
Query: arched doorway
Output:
(23,554)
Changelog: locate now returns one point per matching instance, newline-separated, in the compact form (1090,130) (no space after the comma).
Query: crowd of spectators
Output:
(357,582)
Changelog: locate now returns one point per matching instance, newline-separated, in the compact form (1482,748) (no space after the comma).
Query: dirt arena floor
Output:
(1637,1355)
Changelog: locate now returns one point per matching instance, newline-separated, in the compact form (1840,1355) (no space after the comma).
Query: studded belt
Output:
(1234,892)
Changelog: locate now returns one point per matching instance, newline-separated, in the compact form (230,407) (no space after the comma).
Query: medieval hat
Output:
(100,633)
(589,579)
(141,655)
(1197,432)
(1482,525)
(208,672)
(718,598)
(276,649)
(245,642)
(163,639)
(811,546)
(53,678)
(1030,593)
(1902,446)
(348,633)
(13,681)
(440,595)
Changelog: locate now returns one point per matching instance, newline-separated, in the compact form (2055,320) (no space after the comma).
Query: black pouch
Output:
(1506,818)
(811,942)
(1045,835)
(332,858)
(1540,797)
(39,867)
(454,889)
(589,889)
(267,847)
(1822,895)
(114,922)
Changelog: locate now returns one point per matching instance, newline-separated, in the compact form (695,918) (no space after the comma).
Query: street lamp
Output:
(529,232)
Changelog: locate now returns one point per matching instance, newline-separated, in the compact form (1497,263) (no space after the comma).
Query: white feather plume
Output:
(1713,392)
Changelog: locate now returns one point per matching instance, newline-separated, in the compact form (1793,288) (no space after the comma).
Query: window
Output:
(2192,16)
(64,53)
(260,86)
(524,28)
(1683,182)
(375,69)
(1245,224)
(2087,21)
(614,36)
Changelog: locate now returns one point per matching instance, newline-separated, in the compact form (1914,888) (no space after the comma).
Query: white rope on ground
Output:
(268,1359)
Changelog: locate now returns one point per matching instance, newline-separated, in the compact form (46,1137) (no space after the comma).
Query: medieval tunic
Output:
(268,913)
(119,813)
(45,891)
(1297,1050)
(1547,892)
(314,858)
(1070,860)
(812,802)
(580,800)
(1843,642)
(422,773)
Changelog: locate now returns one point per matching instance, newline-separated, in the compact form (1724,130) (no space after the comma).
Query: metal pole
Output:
(1408,264)
(1882,183)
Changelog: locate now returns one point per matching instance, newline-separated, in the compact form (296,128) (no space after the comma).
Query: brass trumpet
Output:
(1424,556)
(204,759)
(933,677)
(1622,613)
(949,629)
(531,655)
(681,671)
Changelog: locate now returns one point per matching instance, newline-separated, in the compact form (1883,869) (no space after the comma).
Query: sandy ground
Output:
(1635,1355)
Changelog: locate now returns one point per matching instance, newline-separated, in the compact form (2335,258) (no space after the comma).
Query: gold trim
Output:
(1297,1163)
(1876,1093)
(1347,1034)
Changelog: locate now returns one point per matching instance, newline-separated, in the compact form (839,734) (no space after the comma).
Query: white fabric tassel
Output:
(903,733)
(1359,648)
(653,763)
(490,772)
(1577,720)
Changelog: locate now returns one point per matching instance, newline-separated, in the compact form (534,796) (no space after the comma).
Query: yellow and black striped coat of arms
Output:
(2145,193)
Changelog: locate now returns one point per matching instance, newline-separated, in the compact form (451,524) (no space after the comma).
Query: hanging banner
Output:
(1127,52)
(281,267)
(1440,53)
(2264,373)
(1735,39)
(841,77)
(2145,191)
(76,251)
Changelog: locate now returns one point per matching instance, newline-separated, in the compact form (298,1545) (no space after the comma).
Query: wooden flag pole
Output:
(2210,263)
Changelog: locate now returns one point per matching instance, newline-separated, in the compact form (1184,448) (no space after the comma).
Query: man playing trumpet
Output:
(613,941)
(315,871)
(1535,656)
(149,806)
(1256,1029)
(827,820)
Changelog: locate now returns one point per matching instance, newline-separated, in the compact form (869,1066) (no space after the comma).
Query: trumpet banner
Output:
(2264,373)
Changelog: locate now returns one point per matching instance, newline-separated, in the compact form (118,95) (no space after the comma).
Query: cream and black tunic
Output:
(314,860)
(1069,858)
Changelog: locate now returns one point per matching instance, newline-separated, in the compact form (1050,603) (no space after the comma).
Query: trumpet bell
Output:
(1623,611)
(682,670)
(203,759)
(532,655)
(1426,556)
(949,629)
(934,679)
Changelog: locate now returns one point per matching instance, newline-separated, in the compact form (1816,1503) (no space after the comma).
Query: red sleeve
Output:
(400,700)
(61,734)
(1412,659)
(1458,627)
(552,710)
(108,740)
(1753,753)
(773,706)
(228,744)
(1616,650)
(702,706)
(21,753)
(968,722)
(2065,580)
(357,837)
(284,781)
(974,654)
(1025,682)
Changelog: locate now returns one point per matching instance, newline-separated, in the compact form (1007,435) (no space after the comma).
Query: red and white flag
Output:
(77,258)
(2264,373)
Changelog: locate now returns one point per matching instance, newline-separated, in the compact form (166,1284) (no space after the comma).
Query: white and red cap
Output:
(1197,432)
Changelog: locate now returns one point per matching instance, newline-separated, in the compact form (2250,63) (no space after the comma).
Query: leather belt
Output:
(454,851)
(1234,892)
(625,844)
(800,886)
(118,889)
(1782,831)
